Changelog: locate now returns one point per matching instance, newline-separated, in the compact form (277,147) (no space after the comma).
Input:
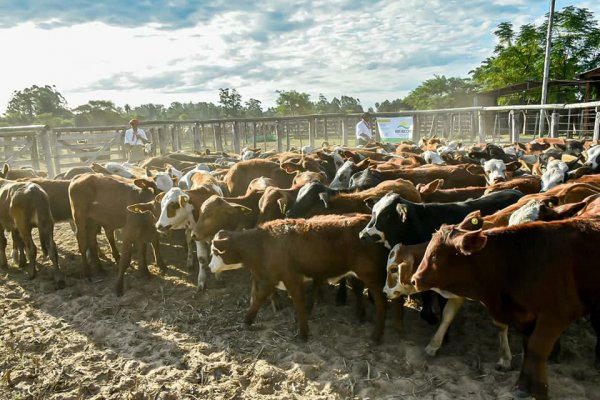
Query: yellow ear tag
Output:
(550,204)
(474,221)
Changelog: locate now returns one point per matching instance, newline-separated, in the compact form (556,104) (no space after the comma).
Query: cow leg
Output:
(295,289)
(47,238)
(3,243)
(533,379)
(143,265)
(189,262)
(398,312)
(427,313)
(340,298)
(92,245)
(358,287)
(18,253)
(123,265)
(160,263)
(202,253)
(595,320)
(451,309)
(110,235)
(30,249)
(82,235)
(260,293)
(376,291)
(504,364)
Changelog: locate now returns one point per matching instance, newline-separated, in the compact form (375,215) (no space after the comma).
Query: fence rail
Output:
(59,148)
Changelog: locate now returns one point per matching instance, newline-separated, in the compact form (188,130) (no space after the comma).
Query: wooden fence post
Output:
(514,131)
(279,134)
(481,126)
(416,134)
(254,135)
(312,127)
(35,157)
(597,126)
(218,139)
(162,133)
(235,131)
(197,139)
(344,132)
(47,153)
(554,124)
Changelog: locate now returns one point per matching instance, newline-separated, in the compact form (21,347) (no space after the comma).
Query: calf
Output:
(12,174)
(402,264)
(278,255)
(99,200)
(345,172)
(241,174)
(25,205)
(179,209)
(541,295)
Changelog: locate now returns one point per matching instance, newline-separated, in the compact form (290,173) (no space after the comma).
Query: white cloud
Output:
(373,52)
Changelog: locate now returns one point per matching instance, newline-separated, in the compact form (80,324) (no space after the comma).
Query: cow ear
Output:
(513,166)
(159,197)
(370,202)
(5,169)
(470,242)
(290,167)
(183,200)
(140,208)
(475,169)
(402,211)
(324,196)
(363,164)
(242,209)
(472,222)
(282,206)
(99,168)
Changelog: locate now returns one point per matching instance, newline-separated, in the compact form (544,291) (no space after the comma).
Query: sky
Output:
(151,51)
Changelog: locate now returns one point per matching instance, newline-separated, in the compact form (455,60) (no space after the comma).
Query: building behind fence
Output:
(58,149)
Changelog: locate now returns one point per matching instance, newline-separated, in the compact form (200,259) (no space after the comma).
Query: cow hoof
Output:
(119,290)
(60,284)
(303,337)
(376,338)
(430,350)
(503,366)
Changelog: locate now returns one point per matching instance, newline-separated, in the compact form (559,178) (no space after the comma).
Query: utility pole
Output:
(546,68)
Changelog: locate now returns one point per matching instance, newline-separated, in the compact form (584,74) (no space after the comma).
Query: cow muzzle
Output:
(162,228)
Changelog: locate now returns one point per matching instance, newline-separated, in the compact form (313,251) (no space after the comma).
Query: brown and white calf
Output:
(403,262)
(276,252)
(23,206)
(179,209)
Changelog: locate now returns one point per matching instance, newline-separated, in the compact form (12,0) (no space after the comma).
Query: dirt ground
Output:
(158,341)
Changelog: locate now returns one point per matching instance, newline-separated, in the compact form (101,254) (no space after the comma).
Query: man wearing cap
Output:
(135,138)
(364,134)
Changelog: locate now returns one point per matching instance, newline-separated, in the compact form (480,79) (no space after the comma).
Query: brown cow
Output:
(540,295)
(279,255)
(241,174)
(25,205)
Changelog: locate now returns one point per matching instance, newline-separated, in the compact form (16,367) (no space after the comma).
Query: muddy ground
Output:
(158,341)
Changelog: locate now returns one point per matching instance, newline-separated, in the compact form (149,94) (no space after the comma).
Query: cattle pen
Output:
(56,149)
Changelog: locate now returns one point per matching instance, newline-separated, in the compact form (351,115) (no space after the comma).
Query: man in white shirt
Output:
(364,134)
(135,139)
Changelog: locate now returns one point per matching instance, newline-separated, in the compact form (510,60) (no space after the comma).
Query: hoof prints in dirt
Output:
(159,341)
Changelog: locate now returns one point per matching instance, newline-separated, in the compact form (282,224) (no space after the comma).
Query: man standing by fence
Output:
(364,134)
(135,139)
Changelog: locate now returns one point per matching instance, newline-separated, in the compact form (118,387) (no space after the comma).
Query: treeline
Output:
(518,57)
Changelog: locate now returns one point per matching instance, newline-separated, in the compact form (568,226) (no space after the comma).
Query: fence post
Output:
(514,131)
(47,153)
(162,133)
(217,137)
(597,126)
(344,132)
(554,124)
(279,134)
(175,137)
(35,157)
(235,130)
(254,134)
(197,139)
(481,126)
(312,126)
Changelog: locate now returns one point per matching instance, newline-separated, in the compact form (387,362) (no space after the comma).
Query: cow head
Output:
(593,157)
(557,172)
(302,178)
(175,210)
(433,157)
(401,265)
(311,197)
(444,267)
(215,214)
(343,174)
(389,214)
(495,171)
(274,204)
(224,253)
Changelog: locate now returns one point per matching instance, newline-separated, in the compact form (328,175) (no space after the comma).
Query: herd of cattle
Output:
(513,227)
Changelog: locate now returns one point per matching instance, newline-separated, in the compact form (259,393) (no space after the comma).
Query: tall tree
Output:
(25,105)
(291,102)
(97,113)
(519,57)
(441,92)
(254,108)
(392,106)
(231,101)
